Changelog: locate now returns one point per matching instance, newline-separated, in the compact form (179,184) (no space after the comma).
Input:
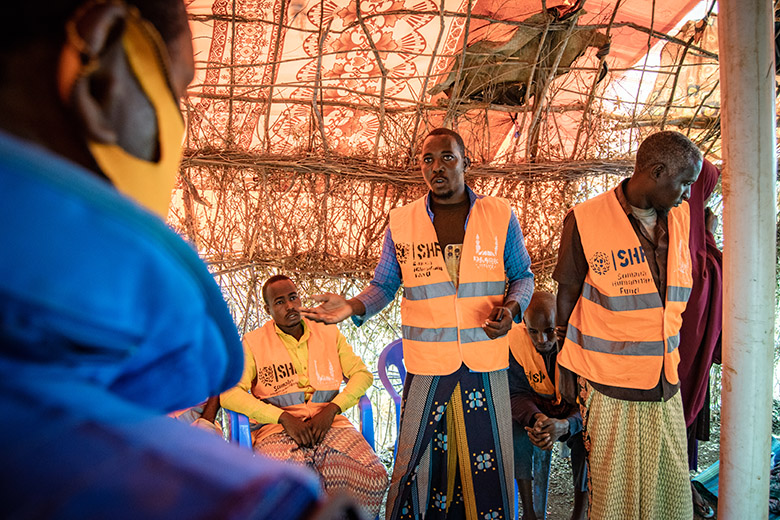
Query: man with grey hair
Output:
(624,277)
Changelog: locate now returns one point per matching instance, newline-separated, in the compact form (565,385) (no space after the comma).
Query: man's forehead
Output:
(439,143)
(540,315)
(282,288)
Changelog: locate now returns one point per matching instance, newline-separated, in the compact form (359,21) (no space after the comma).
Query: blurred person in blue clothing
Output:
(108,320)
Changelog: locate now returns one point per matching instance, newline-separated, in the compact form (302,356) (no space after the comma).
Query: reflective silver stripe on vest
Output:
(425,292)
(622,303)
(323,396)
(476,289)
(672,342)
(625,348)
(677,294)
(283,400)
(424,334)
(472,335)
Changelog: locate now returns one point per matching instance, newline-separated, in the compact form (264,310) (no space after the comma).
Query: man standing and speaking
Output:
(466,275)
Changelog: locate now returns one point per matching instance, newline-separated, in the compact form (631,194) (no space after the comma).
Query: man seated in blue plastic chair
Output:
(540,416)
(293,369)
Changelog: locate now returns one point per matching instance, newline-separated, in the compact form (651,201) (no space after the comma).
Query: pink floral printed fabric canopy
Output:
(296,76)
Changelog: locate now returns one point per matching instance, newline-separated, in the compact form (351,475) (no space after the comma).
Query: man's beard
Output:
(446,195)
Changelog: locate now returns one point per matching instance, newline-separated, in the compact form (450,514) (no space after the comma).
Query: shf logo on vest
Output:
(535,377)
(405,252)
(600,262)
(485,258)
(420,258)
(270,374)
(402,252)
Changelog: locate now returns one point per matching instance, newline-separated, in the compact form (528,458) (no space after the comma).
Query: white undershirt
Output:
(648,218)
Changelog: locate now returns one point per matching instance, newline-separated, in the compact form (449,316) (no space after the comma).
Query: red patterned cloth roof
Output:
(274,73)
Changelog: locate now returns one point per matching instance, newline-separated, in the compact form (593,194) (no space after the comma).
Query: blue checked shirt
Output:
(387,275)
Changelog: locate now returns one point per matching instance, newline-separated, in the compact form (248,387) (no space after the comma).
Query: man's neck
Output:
(296,331)
(634,195)
(436,203)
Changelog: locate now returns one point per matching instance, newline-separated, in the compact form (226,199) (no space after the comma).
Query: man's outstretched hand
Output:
(332,309)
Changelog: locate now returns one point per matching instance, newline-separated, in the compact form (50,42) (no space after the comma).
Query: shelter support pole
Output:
(747,79)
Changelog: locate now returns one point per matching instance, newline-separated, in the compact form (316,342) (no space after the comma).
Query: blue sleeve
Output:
(517,264)
(382,288)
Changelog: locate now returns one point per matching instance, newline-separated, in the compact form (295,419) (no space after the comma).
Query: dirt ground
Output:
(560,492)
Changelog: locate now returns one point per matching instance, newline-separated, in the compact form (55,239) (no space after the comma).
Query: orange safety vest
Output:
(620,332)
(442,325)
(277,381)
(531,360)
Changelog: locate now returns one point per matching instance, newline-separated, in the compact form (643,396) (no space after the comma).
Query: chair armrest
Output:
(367,420)
(239,428)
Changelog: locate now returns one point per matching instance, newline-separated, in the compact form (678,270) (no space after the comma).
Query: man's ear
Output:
(267,308)
(658,170)
(89,69)
(467,161)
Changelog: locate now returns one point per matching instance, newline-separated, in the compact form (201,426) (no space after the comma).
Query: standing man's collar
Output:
(620,192)
(472,199)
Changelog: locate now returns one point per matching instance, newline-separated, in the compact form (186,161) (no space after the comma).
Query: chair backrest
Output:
(393,356)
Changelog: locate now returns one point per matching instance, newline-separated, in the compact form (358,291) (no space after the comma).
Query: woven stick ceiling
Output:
(305,118)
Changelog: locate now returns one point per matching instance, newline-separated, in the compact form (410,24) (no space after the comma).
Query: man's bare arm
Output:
(568,294)
(210,408)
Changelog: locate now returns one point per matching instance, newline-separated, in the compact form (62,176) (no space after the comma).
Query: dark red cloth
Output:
(702,319)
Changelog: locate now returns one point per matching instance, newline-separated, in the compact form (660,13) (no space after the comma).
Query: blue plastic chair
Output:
(239,426)
(393,357)
(366,413)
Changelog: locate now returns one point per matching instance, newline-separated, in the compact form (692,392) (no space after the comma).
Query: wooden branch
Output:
(457,85)
(424,91)
(540,92)
(382,69)
(231,87)
(701,105)
(317,86)
(592,92)
(270,97)
(360,168)
(452,14)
